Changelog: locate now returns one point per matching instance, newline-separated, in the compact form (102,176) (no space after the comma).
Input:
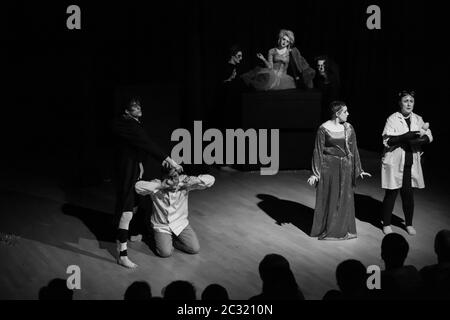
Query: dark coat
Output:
(133,145)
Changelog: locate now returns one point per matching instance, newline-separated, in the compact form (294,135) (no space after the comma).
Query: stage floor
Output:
(243,217)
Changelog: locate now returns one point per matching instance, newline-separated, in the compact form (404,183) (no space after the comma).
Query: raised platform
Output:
(284,109)
(296,113)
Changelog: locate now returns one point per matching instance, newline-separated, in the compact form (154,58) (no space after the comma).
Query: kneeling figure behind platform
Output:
(169,218)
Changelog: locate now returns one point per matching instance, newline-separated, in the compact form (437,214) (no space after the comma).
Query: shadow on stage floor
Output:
(100,225)
(39,219)
(368,209)
(243,217)
(286,211)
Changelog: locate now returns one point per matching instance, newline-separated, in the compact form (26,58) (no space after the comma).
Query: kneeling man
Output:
(169,218)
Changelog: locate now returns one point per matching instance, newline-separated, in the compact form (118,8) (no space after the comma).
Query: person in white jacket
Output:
(169,218)
(403,135)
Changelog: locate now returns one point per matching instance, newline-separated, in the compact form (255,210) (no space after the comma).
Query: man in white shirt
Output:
(170,210)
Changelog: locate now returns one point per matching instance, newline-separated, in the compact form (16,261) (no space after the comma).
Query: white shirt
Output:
(170,208)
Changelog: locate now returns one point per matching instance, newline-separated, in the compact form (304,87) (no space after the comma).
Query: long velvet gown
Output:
(337,164)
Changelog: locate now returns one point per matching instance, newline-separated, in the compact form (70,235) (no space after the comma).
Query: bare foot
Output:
(411,231)
(127,263)
(387,230)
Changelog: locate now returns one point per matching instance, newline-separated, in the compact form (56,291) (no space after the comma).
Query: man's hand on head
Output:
(170,163)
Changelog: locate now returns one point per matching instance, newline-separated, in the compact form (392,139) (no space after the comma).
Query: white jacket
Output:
(393,159)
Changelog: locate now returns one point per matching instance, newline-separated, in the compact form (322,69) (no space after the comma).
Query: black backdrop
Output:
(61,84)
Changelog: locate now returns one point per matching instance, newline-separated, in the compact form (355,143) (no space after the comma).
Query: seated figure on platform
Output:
(228,101)
(327,76)
(231,70)
(169,218)
(285,57)
(327,80)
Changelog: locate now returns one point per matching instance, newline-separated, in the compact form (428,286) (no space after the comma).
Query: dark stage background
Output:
(63,86)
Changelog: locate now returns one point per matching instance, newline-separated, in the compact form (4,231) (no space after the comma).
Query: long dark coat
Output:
(133,145)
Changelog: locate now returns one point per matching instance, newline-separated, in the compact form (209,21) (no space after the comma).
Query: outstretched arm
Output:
(145,188)
(269,62)
(137,137)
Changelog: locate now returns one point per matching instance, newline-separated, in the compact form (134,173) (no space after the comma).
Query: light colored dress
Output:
(273,78)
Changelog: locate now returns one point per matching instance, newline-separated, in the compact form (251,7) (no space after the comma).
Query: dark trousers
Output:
(406,192)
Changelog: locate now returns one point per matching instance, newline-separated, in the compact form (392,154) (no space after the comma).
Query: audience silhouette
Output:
(437,277)
(278,280)
(179,290)
(56,290)
(351,279)
(215,292)
(138,290)
(397,280)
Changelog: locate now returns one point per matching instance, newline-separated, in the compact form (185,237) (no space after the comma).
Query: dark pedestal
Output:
(285,109)
(295,113)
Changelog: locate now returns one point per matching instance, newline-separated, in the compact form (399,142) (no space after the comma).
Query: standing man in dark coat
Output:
(133,146)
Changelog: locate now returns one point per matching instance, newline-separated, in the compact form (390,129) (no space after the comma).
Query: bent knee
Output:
(194,249)
(164,253)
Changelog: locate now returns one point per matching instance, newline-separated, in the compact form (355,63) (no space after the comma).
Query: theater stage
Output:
(243,217)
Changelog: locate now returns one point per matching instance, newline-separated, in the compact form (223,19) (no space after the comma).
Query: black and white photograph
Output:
(217,151)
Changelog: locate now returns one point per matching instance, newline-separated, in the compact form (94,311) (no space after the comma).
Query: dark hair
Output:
(405,93)
(322,57)
(271,262)
(335,106)
(234,49)
(179,290)
(138,290)
(442,245)
(327,61)
(329,64)
(278,279)
(351,276)
(56,290)
(133,101)
(394,249)
(215,292)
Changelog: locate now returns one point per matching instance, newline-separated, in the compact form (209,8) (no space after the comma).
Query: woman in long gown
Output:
(335,165)
(274,76)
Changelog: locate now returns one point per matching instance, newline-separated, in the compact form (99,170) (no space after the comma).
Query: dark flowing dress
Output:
(337,164)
